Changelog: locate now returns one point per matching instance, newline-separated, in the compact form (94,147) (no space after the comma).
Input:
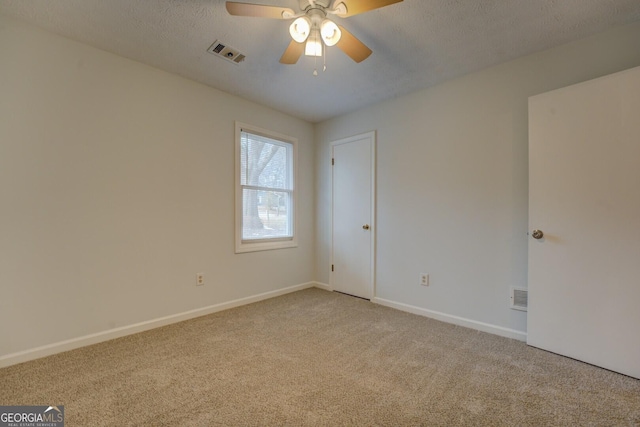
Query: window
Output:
(265,195)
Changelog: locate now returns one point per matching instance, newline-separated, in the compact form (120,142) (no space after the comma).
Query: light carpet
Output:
(316,358)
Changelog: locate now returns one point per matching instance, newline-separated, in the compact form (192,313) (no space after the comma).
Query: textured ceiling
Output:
(416,43)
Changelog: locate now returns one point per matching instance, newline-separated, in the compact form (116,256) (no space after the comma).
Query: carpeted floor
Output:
(315,358)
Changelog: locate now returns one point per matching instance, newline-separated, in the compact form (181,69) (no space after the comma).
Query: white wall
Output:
(117,187)
(452,179)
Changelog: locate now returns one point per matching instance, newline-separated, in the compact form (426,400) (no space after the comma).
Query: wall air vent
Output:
(519,299)
(226,52)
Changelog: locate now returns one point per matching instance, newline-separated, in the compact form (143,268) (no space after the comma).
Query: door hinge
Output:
(331,267)
(333,162)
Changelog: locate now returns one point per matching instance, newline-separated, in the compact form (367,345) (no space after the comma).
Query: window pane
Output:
(265,190)
(265,162)
(266,214)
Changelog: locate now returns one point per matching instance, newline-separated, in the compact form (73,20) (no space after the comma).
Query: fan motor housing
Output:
(305,4)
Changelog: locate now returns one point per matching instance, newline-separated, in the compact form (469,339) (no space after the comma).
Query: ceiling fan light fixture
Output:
(300,29)
(330,32)
(313,48)
(314,45)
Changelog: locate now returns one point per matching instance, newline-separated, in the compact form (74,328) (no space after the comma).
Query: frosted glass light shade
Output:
(313,47)
(300,29)
(330,32)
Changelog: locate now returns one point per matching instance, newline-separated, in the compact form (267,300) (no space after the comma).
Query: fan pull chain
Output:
(324,59)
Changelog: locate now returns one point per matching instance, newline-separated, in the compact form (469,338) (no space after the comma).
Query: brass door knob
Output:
(537,234)
(365,227)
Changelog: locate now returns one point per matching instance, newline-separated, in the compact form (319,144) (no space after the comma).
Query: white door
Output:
(584,195)
(353,215)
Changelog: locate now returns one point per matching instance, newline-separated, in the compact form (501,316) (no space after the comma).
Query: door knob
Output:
(537,234)
(365,227)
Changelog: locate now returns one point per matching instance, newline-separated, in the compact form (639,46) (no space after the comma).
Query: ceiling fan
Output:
(311,30)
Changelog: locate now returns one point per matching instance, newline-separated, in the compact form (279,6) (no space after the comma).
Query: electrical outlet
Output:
(200,279)
(424,279)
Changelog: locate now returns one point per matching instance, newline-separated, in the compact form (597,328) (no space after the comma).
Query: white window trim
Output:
(265,244)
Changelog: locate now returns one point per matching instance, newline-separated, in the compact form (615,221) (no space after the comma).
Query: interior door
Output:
(353,215)
(584,196)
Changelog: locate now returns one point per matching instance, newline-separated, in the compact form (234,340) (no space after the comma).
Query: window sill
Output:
(265,246)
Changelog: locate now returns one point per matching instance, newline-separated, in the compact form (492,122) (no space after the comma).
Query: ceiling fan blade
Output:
(293,53)
(355,7)
(259,10)
(353,47)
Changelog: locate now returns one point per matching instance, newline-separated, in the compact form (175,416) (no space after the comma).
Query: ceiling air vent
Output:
(222,50)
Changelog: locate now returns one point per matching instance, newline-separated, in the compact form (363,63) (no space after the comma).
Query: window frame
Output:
(271,243)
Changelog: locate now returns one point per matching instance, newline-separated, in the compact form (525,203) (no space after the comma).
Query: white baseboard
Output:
(71,344)
(448,318)
(323,286)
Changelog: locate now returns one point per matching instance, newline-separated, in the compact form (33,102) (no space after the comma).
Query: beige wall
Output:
(117,187)
(452,180)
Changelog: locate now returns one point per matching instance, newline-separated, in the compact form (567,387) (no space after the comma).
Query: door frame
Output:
(371,135)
